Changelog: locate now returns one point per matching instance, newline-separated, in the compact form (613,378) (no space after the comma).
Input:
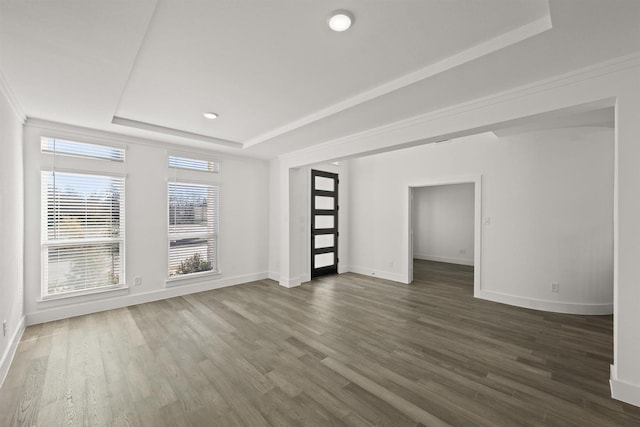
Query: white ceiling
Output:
(278,77)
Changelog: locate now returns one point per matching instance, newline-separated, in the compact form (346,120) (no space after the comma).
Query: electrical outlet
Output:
(555,287)
(137,281)
(462,251)
(4,328)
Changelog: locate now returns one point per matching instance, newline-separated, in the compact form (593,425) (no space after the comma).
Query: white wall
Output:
(612,83)
(276,218)
(548,197)
(11,232)
(443,223)
(299,185)
(243,239)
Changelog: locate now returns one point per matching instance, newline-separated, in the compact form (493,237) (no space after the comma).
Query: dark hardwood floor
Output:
(342,350)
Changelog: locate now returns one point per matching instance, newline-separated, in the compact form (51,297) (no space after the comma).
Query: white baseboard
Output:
(274,276)
(460,261)
(10,351)
(72,310)
(622,390)
(378,273)
(290,282)
(545,305)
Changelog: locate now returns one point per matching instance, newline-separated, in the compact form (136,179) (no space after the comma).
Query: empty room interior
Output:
(320,213)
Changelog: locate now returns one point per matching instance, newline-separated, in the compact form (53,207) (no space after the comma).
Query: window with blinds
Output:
(193,164)
(82,231)
(193,228)
(81,149)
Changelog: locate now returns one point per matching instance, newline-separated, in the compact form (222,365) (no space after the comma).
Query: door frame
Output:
(477,221)
(331,269)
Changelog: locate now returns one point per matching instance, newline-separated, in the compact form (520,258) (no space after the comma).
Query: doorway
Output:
(443,234)
(324,223)
(460,255)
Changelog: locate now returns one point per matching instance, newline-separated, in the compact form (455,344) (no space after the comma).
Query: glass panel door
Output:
(324,223)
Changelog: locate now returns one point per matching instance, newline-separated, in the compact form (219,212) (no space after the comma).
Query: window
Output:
(82,217)
(193,164)
(193,199)
(193,228)
(81,149)
(82,232)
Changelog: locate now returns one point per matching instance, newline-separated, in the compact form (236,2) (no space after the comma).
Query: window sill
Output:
(189,279)
(82,293)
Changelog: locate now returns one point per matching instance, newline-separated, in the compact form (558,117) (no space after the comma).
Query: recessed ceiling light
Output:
(210,115)
(340,20)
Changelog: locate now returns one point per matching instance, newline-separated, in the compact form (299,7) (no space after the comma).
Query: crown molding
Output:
(97,135)
(11,98)
(175,132)
(576,76)
(489,46)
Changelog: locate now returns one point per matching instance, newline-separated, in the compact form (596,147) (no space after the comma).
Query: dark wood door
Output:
(324,223)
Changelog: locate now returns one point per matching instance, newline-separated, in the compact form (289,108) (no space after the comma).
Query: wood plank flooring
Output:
(345,350)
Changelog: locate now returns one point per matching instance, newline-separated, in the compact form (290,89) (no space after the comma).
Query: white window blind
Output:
(81,149)
(193,228)
(82,231)
(193,164)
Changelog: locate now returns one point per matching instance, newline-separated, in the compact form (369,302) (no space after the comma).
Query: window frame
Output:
(63,163)
(183,162)
(195,177)
(118,159)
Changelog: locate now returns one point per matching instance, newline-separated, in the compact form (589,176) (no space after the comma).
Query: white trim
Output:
(436,258)
(546,305)
(89,241)
(96,306)
(5,89)
(616,233)
(10,352)
(194,235)
(191,278)
(82,165)
(395,277)
(622,390)
(312,154)
(290,282)
(64,130)
(82,293)
(489,46)
(121,121)
(80,171)
(213,181)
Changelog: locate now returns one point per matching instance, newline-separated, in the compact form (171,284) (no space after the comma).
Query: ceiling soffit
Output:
(266,81)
